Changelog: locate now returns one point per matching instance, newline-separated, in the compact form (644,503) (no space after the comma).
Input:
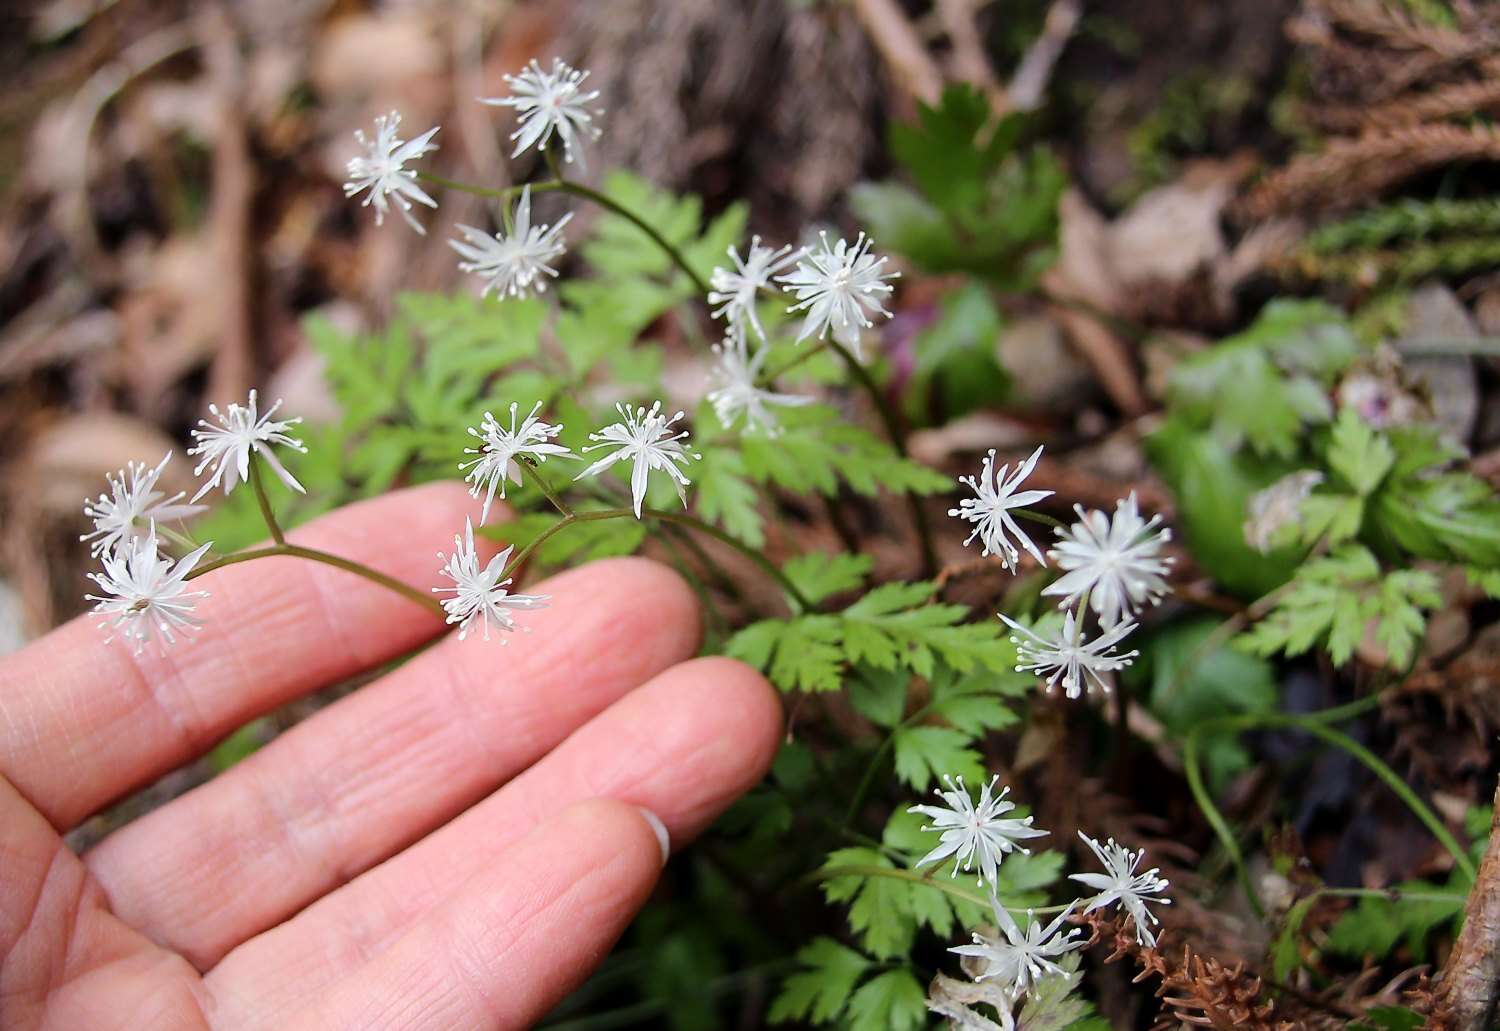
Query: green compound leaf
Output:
(817,450)
(894,1001)
(880,908)
(1376,925)
(819,993)
(819,575)
(1358,454)
(888,628)
(923,754)
(724,496)
(1264,385)
(1333,600)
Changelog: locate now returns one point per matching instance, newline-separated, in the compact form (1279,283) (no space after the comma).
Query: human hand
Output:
(455,845)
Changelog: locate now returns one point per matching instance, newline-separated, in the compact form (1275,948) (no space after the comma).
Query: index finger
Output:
(83,721)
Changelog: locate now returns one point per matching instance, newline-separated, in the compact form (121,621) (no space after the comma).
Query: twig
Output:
(229,208)
(901,48)
(1029,83)
(1107,355)
(970,62)
(83,112)
(1470,984)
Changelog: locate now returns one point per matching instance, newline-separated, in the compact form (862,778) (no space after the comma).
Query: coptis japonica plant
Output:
(600,463)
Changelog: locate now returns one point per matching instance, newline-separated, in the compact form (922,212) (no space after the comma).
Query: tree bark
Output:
(1466,994)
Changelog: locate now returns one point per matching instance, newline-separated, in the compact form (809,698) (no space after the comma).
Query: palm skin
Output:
(455,845)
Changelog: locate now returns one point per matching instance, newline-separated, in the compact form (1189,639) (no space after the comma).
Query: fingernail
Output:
(662,837)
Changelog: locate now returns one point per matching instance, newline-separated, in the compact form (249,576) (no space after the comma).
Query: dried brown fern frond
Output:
(1393,87)
(1397,28)
(1445,102)
(1350,171)
(1199,991)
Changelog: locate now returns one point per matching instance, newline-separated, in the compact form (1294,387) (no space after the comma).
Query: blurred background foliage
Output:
(1194,248)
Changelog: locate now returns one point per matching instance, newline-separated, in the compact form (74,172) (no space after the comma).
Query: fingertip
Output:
(631,833)
(699,735)
(650,586)
(744,702)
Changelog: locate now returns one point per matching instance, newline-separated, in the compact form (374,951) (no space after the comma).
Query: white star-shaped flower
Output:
(1120,883)
(736,291)
(643,436)
(227,446)
(738,392)
(480,593)
(499,447)
(989,509)
(1020,959)
(548,102)
(145,594)
(382,170)
(516,264)
(971,832)
(1117,562)
(132,504)
(1078,663)
(840,288)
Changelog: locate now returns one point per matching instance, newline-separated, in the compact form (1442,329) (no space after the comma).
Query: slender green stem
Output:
(946,885)
(679,518)
(765,564)
(1216,820)
(675,540)
(314,555)
(1315,724)
(1392,780)
(546,488)
(804,355)
(558,527)
(1038,517)
(1392,895)
(897,435)
(259,488)
(505,194)
(865,782)
(610,204)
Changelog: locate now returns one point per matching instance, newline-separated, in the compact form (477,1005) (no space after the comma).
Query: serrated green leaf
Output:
(724,496)
(819,575)
(1359,454)
(1375,925)
(802,654)
(1262,386)
(817,449)
(1332,600)
(879,907)
(1024,878)
(894,1001)
(923,754)
(1335,518)
(879,695)
(1053,1006)
(820,993)
(1487,580)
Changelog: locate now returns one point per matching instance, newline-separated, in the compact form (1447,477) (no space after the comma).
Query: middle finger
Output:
(378,769)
